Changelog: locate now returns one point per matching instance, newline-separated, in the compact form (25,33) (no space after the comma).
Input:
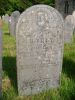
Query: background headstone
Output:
(3,17)
(10,26)
(13,21)
(6,18)
(69,29)
(39,39)
(0,18)
(73,14)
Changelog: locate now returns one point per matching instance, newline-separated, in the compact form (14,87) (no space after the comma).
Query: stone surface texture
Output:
(39,41)
(69,29)
(6,18)
(73,14)
(13,21)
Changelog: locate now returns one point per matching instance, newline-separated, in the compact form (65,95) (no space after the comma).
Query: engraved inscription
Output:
(39,49)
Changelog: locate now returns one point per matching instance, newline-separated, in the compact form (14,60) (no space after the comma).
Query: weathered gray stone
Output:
(6,18)
(3,17)
(13,21)
(69,29)
(11,26)
(73,14)
(0,18)
(39,39)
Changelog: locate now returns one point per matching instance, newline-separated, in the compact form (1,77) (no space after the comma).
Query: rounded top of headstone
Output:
(69,20)
(69,17)
(6,15)
(15,13)
(1,23)
(46,14)
(73,13)
(0,18)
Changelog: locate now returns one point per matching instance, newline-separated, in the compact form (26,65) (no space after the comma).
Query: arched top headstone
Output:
(39,39)
(13,21)
(1,23)
(38,11)
(73,14)
(6,18)
(69,19)
(69,28)
(15,14)
(3,17)
(7,15)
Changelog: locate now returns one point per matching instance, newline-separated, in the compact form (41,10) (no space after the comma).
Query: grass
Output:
(67,88)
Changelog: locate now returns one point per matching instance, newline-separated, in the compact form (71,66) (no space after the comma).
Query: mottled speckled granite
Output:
(13,21)
(69,29)
(39,41)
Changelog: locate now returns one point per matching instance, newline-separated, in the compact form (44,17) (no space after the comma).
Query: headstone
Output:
(0,18)
(73,14)
(6,18)
(1,57)
(39,39)
(10,25)
(69,29)
(13,21)
(3,17)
